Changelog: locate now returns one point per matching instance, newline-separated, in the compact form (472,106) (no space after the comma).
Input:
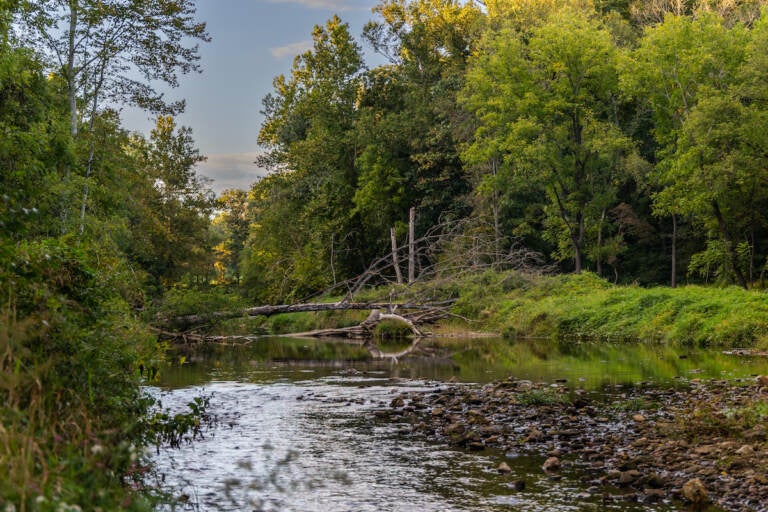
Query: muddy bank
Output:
(704,442)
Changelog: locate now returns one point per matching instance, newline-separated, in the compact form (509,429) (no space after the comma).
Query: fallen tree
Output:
(361,334)
(185,321)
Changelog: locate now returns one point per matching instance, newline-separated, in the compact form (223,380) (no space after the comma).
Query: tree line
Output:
(622,137)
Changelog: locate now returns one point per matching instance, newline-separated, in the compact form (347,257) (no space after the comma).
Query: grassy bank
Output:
(526,306)
(585,306)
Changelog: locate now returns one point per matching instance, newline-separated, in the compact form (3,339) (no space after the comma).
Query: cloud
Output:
(290,50)
(231,170)
(331,5)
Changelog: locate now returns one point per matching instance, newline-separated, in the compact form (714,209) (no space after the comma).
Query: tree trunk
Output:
(496,221)
(71,84)
(411,245)
(673,276)
(600,245)
(395,260)
(578,241)
(729,245)
(189,320)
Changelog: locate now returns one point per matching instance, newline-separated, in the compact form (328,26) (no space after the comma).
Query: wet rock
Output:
(519,485)
(629,477)
(504,468)
(639,418)
(476,446)
(534,435)
(745,450)
(397,402)
(437,411)
(551,464)
(695,492)
(655,481)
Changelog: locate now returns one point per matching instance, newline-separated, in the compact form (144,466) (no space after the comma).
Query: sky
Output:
(253,41)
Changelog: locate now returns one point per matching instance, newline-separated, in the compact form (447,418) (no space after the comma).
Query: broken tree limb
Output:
(395,262)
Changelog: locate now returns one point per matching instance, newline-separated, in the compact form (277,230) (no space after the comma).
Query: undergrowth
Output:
(74,421)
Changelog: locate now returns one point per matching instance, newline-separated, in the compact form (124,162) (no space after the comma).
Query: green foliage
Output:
(182,300)
(544,396)
(586,307)
(69,398)
(392,330)
(545,103)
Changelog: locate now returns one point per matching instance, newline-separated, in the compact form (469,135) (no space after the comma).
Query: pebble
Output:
(650,455)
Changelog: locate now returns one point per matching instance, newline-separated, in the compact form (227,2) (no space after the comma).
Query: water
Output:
(303,435)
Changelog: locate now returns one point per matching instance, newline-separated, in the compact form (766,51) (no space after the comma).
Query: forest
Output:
(620,137)
(623,138)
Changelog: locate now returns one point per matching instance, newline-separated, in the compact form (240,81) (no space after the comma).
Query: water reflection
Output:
(586,365)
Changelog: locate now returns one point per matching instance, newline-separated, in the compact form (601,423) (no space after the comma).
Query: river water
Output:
(300,432)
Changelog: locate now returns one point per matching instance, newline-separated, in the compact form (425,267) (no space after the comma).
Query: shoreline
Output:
(702,443)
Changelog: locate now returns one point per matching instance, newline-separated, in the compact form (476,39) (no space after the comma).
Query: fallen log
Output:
(361,334)
(189,320)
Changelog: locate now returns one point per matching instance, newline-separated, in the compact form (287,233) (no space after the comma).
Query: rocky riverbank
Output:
(703,442)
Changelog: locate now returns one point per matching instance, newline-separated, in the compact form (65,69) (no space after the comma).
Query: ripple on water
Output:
(316,446)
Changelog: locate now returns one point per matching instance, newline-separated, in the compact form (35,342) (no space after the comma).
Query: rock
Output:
(519,485)
(476,446)
(504,468)
(695,492)
(534,435)
(639,418)
(653,495)
(705,450)
(551,464)
(745,450)
(628,477)
(397,402)
(655,481)
(762,380)
(437,411)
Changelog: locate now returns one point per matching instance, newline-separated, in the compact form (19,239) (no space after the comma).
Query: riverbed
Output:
(299,425)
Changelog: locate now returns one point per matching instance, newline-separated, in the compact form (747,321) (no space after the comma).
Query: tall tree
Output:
(308,131)
(170,230)
(409,113)
(100,47)
(688,69)
(545,105)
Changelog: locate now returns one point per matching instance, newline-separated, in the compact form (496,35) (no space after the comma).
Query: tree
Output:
(545,106)
(688,69)
(99,48)
(170,230)
(409,116)
(232,222)
(35,145)
(308,131)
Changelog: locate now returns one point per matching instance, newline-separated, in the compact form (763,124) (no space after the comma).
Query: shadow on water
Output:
(298,426)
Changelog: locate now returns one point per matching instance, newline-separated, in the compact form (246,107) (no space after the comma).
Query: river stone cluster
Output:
(640,443)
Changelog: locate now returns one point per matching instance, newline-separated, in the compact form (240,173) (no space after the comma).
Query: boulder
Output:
(695,492)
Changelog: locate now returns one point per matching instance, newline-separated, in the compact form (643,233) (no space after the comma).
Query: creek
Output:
(298,425)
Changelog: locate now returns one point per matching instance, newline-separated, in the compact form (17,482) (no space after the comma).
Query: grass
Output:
(587,307)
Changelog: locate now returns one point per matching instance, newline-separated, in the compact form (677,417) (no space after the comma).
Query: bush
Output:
(71,408)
